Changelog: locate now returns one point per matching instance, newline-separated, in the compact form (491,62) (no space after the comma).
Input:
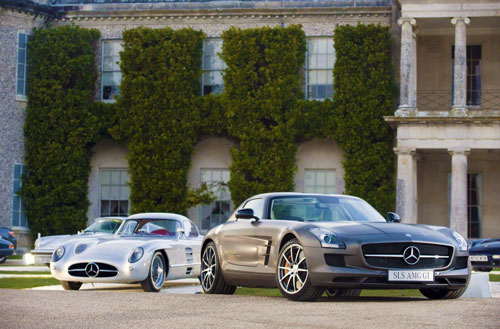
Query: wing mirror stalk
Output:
(246,213)
(392,217)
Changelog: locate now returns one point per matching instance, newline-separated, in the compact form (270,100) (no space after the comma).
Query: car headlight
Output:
(58,254)
(462,244)
(327,238)
(38,243)
(136,254)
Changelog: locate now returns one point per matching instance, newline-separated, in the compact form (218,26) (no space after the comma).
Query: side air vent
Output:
(189,255)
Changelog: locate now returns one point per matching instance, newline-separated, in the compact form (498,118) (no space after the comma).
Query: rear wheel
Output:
(292,274)
(442,293)
(340,293)
(156,278)
(3,259)
(71,285)
(211,278)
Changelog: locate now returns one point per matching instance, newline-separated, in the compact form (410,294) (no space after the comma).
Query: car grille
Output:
(390,255)
(82,270)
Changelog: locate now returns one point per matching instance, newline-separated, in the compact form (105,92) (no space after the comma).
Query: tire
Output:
(341,293)
(157,273)
(297,285)
(442,293)
(3,259)
(71,285)
(211,277)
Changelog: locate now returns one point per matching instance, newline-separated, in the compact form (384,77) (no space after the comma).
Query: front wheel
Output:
(71,285)
(483,269)
(211,278)
(341,293)
(156,277)
(292,274)
(442,293)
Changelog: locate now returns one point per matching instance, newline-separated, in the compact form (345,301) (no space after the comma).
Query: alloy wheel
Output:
(208,266)
(158,272)
(292,269)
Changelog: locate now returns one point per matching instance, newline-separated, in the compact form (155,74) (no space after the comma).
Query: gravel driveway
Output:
(99,309)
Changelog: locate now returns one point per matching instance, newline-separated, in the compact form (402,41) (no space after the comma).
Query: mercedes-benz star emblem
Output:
(92,270)
(411,255)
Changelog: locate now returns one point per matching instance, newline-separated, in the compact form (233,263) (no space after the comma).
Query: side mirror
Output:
(246,213)
(392,217)
(180,232)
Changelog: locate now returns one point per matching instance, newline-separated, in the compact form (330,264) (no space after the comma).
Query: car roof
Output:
(274,194)
(158,215)
(110,217)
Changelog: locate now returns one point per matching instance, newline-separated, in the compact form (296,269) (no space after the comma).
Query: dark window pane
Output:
(207,89)
(105,208)
(22,40)
(15,218)
(114,208)
(123,208)
(17,171)
(20,87)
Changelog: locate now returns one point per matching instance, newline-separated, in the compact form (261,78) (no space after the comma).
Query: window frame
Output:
(100,190)
(16,195)
(22,97)
(307,69)
(468,62)
(200,207)
(203,70)
(324,170)
(103,71)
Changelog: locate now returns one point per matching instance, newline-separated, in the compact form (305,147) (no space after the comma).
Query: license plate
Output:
(481,258)
(407,275)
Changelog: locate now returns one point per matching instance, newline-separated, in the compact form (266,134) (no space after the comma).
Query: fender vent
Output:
(189,270)
(189,255)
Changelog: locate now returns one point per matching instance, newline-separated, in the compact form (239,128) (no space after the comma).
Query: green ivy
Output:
(159,115)
(61,125)
(364,93)
(262,88)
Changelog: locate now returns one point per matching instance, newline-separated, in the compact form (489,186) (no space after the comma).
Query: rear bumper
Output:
(490,264)
(364,277)
(6,252)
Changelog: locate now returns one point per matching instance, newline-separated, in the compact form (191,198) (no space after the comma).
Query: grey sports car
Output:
(305,244)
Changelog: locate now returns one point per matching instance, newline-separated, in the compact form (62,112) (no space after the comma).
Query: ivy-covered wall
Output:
(365,92)
(161,116)
(61,124)
(262,87)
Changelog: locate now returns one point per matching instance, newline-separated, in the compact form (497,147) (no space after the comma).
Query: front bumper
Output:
(490,264)
(42,256)
(6,252)
(356,274)
(127,272)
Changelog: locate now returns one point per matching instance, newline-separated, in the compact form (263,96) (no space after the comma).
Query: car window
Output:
(257,205)
(190,229)
(104,226)
(323,209)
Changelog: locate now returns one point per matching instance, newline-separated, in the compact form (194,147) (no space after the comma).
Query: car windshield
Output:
(150,226)
(316,208)
(104,226)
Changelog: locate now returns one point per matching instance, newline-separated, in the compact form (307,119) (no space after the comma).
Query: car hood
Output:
(485,246)
(103,247)
(54,241)
(405,231)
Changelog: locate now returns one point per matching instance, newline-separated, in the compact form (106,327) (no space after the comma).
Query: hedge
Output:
(161,116)
(61,125)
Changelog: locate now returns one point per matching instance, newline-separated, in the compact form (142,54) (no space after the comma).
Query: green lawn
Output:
(24,272)
(26,283)
(15,257)
(495,277)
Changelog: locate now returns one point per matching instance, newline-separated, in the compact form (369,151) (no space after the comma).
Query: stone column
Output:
(459,107)
(458,200)
(407,67)
(406,194)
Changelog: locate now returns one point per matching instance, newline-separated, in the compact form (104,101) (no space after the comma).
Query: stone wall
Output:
(11,108)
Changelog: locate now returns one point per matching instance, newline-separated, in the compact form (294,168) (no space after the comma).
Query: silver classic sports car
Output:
(148,248)
(305,244)
(45,246)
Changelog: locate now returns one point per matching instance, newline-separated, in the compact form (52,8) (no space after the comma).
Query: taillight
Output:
(11,246)
(11,233)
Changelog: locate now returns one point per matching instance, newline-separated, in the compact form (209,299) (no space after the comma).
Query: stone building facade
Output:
(424,39)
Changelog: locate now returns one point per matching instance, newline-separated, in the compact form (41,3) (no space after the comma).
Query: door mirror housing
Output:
(246,213)
(392,217)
